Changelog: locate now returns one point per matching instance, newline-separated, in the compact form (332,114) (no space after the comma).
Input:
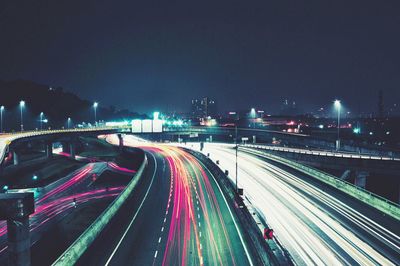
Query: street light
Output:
(338,105)
(236,155)
(253,115)
(41,120)
(1,114)
(95,104)
(22,105)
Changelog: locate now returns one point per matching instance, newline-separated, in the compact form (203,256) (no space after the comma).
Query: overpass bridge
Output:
(8,142)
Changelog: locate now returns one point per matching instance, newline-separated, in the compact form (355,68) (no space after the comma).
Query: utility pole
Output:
(236,165)
(338,104)
(41,120)
(1,112)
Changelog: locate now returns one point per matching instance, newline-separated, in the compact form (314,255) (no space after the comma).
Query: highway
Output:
(177,216)
(61,197)
(315,223)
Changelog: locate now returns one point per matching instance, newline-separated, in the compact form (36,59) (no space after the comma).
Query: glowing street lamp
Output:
(253,115)
(21,106)
(41,120)
(1,114)
(338,106)
(95,104)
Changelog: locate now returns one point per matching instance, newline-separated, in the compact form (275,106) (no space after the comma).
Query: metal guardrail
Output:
(384,205)
(76,250)
(325,153)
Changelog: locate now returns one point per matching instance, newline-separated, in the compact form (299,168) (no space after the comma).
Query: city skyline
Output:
(255,54)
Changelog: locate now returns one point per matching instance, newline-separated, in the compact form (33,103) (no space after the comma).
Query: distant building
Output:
(203,108)
(289,108)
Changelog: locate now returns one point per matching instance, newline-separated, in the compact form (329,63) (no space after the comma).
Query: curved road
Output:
(177,215)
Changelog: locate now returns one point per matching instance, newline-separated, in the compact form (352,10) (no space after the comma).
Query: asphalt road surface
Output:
(177,215)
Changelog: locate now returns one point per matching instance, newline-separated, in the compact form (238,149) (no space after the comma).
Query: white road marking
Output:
(137,212)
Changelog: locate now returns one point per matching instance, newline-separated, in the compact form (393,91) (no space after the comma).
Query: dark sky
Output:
(147,55)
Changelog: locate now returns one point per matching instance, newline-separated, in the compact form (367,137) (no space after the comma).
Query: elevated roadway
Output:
(315,223)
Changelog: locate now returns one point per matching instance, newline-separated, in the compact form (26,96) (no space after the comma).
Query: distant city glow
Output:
(117,123)
(177,123)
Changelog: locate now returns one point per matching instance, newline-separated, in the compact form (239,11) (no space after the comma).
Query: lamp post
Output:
(236,156)
(41,120)
(95,104)
(338,105)
(253,115)
(22,105)
(1,114)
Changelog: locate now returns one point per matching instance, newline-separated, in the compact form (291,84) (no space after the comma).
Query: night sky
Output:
(146,55)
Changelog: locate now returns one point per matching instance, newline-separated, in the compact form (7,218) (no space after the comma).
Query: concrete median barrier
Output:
(75,251)
(384,205)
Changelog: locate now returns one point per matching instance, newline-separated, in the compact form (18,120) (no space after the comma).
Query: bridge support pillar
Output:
(65,147)
(399,195)
(72,150)
(346,174)
(69,148)
(49,150)
(19,243)
(15,157)
(121,142)
(361,179)
(16,208)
